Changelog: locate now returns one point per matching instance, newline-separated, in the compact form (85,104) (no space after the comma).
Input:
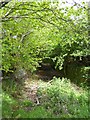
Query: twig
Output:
(24,35)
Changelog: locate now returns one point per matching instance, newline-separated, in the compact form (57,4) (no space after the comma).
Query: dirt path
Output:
(31,85)
(30,90)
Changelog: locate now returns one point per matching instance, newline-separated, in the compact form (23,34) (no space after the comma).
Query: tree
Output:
(33,31)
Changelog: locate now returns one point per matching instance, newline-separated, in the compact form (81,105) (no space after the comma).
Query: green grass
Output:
(12,108)
(59,98)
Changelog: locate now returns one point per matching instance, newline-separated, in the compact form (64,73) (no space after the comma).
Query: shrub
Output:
(64,99)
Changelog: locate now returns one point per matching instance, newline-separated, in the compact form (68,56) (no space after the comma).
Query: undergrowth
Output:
(58,98)
(64,99)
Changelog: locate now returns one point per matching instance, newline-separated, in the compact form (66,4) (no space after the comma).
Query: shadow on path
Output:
(46,72)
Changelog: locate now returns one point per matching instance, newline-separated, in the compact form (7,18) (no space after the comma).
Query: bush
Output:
(64,99)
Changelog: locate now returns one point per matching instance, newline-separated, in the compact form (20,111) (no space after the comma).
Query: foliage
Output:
(64,99)
(13,108)
(77,73)
(59,98)
(33,31)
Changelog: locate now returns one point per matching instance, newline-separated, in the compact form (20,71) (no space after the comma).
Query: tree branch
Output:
(3,3)
(24,35)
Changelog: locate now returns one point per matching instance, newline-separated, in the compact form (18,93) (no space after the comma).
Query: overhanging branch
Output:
(3,3)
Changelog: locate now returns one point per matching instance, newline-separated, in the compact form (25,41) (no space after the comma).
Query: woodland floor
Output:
(45,73)
(28,90)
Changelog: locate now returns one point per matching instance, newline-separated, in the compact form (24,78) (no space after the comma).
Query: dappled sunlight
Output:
(45,59)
